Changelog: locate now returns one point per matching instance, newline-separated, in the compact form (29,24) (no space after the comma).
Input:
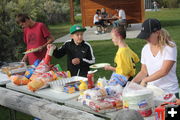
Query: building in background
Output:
(148,4)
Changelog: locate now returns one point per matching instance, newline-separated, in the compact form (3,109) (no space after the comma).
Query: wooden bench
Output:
(41,108)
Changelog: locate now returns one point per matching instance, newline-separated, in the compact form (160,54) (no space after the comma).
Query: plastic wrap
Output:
(40,80)
(14,68)
(117,79)
(160,96)
(115,90)
(63,74)
(95,93)
(36,84)
(42,67)
(19,80)
(105,105)
(138,98)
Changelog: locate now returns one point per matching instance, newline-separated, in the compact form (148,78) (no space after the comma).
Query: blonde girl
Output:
(158,58)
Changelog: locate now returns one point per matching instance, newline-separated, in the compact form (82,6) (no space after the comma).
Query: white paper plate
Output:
(99,65)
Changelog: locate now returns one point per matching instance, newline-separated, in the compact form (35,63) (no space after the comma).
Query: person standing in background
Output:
(155,5)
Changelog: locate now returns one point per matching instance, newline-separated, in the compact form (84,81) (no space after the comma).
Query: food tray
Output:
(58,84)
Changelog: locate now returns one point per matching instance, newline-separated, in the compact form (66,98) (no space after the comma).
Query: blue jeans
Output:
(118,22)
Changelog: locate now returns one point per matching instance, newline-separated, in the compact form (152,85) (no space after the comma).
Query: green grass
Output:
(59,30)
(5,115)
(104,51)
(62,29)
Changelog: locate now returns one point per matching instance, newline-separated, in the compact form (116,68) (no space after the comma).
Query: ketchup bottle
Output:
(90,77)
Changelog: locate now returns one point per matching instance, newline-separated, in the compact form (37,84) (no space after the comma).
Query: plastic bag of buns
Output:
(42,67)
(14,68)
(19,79)
(40,80)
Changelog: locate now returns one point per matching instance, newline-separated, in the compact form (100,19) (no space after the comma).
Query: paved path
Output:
(89,35)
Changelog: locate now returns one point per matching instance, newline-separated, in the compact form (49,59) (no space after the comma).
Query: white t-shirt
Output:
(96,18)
(155,4)
(168,83)
(122,14)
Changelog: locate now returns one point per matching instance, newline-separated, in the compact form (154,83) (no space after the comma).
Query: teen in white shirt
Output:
(158,58)
(121,18)
(122,14)
(97,20)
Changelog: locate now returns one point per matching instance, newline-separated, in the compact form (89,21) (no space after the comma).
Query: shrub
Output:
(47,11)
(169,3)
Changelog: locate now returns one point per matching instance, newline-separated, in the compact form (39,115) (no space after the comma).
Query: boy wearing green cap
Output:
(79,53)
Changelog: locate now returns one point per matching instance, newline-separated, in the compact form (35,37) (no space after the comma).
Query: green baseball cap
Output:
(76,28)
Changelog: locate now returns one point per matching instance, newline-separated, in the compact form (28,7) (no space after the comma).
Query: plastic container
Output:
(141,100)
(59,84)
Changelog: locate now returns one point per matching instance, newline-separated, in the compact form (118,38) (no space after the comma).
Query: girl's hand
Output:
(107,67)
(143,83)
(178,101)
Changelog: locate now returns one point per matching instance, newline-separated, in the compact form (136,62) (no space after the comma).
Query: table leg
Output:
(12,114)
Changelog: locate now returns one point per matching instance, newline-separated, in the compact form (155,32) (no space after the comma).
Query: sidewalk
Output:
(89,35)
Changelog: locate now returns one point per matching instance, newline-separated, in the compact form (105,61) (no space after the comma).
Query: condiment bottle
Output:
(82,87)
(90,77)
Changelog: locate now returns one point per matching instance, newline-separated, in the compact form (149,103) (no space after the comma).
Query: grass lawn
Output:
(105,51)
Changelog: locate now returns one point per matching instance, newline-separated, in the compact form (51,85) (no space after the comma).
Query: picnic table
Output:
(46,93)
(109,18)
(69,100)
(4,79)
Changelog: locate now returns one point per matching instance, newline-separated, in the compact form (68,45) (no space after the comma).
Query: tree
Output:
(47,11)
(169,3)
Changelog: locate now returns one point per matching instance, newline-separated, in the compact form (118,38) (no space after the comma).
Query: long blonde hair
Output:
(165,39)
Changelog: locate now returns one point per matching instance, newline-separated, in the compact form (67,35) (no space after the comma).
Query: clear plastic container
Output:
(60,83)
